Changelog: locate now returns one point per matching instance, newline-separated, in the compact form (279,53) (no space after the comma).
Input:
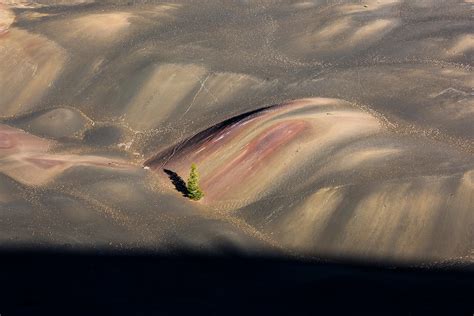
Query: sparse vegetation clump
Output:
(194,191)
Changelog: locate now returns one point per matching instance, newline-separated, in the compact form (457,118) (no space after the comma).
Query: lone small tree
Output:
(194,192)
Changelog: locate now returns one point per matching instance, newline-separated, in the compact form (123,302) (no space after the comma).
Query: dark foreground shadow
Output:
(68,283)
(177,181)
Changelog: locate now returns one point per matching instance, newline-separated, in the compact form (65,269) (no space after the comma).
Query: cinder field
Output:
(320,129)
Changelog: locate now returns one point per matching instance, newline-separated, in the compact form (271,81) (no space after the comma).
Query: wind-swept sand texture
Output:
(321,129)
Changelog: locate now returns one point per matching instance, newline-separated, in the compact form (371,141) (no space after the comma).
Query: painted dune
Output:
(322,176)
(246,158)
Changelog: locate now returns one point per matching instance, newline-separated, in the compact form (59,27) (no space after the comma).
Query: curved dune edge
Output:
(249,155)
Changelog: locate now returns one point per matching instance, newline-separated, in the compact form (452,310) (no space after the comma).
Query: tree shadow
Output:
(177,181)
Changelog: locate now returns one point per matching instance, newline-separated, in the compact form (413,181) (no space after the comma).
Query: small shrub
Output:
(194,191)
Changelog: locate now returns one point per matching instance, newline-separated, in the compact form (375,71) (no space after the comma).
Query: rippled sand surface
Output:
(320,130)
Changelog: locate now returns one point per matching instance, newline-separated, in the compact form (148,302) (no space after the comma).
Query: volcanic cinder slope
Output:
(340,129)
(323,177)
